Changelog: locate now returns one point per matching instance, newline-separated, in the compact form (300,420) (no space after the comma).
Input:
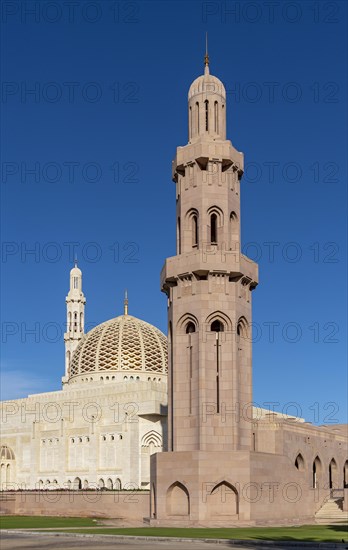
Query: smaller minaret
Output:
(75,322)
(125,303)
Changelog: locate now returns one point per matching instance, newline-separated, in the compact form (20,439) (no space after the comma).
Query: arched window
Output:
(242,328)
(179,236)
(109,484)
(316,471)
(194,230)
(299,462)
(101,484)
(77,483)
(333,474)
(76,282)
(216,120)
(233,227)
(213,228)
(197,117)
(345,475)
(190,327)
(217,326)
(190,121)
(206,103)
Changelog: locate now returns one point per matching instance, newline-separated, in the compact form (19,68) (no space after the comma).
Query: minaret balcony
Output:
(201,152)
(208,259)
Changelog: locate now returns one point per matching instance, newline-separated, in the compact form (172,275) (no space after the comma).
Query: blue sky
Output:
(109,107)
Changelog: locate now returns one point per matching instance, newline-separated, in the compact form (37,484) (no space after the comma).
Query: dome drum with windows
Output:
(124,346)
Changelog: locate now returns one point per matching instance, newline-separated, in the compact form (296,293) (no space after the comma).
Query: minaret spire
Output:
(206,57)
(75,312)
(125,302)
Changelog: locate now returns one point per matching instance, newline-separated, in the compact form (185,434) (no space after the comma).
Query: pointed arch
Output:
(101,483)
(222,318)
(216,117)
(6,453)
(77,483)
(192,217)
(151,438)
(185,320)
(223,500)
(299,462)
(117,484)
(316,471)
(216,221)
(333,474)
(234,228)
(178,500)
(109,484)
(243,328)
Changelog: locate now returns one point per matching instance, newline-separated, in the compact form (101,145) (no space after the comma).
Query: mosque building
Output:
(174,415)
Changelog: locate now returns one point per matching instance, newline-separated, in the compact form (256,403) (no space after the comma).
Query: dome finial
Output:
(125,302)
(206,57)
(75,261)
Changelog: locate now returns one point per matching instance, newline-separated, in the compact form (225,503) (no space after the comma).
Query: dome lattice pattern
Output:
(121,344)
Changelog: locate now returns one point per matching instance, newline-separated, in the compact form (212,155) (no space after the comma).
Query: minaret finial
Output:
(206,57)
(125,302)
(75,261)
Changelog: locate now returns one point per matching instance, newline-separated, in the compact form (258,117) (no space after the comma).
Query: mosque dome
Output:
(122,344)
(75,272)
(207,84)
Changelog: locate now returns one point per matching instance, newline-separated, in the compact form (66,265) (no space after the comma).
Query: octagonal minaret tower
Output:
(208,285)
(75,317)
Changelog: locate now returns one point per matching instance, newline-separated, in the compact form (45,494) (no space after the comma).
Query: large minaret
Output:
(75,322)
(208,285)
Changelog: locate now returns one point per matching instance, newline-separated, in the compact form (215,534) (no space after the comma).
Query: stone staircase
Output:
(331,512)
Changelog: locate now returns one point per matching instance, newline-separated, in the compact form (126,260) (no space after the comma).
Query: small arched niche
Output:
(178,500)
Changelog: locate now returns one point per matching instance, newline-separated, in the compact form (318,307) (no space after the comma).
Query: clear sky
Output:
(94,103)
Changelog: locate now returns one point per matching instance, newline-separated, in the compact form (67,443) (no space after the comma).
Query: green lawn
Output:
(317,533)
(39,522)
